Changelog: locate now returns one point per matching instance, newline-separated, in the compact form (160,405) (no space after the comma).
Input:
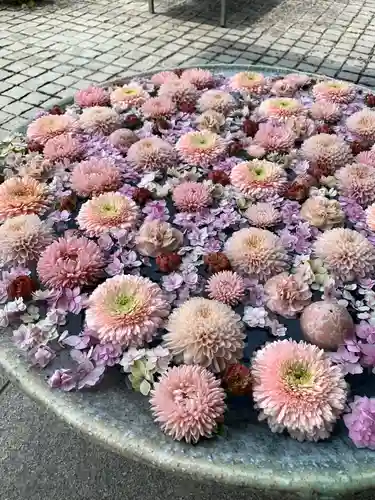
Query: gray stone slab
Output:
(3,377)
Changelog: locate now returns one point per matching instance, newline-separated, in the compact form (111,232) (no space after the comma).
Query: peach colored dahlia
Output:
(201,148)
(263,214)
(334,91)
(201,78)
(283,88)
(179,91)
(21,196)
(227,287)
(346,253)
(297,388)
(99,120)
(48,126)
(322,212)
(129,96)
(158,107)
(210,120)
(326,151)
(248,81)
(256,252)
(205,332)
(217,100)
(357,182)
(126,310)
(157,237)
(188,402)
(370,217)
(258,179)
(366,158)
(62,147)
(287,294)
(107,212)
(23,238)
(151,153)
(280,107)
(122,139)
(191,196)
(326,111)
(95,176)
(362,124)
(69,262)
(91,96)
(275,137)
(164,77)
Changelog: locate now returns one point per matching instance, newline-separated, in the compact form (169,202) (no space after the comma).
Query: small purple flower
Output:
(361,422)
(288,239)
(197,237)
(212,245)
(156,210)
(366,332)
(191,279)
(172,282)
(127,190)
(63,379)
(106,354)
(348,361)
(77,341)
(41,356)
(89,375)
(290,212)
(72,300)
(105,242)
(115,267)
(130,259)
(368,351)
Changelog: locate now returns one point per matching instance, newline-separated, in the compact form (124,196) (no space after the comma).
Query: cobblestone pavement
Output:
(48,52)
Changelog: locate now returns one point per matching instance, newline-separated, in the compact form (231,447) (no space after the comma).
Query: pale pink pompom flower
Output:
(69,262)
(280,107)
(334,91)
(275,137)
(99,120)
(181,92)
(362,124)
(357,181)
(218,100)
(370,217)
(297,79)
(326,151)
(297,388)
(227,287)
(151,153)
(95,176)
(158,107)
(366,158)
(201,78)
(287,294)
(188,403)
(249,81)
(63,147)
(263,214)
(122,139)
(327,111)
(283,88)
(131,95)
(48,126)
(91,96)
(164,77)
(201,148)
(107,212)
(191,196)
(127,310)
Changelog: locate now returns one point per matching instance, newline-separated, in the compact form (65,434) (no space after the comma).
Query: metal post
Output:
(151,6)
(223,13)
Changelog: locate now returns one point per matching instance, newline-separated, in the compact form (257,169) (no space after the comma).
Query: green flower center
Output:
(259,173)
(252,76)
(129,91)
(297,374)
(201,141)
(107,209)
(125,304)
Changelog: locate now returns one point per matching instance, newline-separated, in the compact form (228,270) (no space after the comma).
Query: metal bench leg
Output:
(223,13)
(151,6)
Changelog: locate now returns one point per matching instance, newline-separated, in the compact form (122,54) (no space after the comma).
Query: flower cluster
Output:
(183,219)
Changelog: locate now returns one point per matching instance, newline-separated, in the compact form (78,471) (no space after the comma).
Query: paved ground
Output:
(47,52)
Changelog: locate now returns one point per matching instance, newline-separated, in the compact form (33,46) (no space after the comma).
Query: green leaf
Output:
(145,388)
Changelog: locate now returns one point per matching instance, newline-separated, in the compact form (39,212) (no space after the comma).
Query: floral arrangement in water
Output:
(154,228)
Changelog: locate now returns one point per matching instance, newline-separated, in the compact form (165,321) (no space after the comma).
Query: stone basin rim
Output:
(34,385)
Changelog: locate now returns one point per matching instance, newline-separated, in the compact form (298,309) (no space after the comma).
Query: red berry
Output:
(187,107)
(34,147)
(235,147)
(237,380)
(250,127)
(370,100)
(178,72)
(219,177)
(56,110)
(325,129)
(216,262)
(142,195)
(168,262)
(357,147)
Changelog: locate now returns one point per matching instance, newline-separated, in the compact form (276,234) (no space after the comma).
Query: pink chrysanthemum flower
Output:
(334,91)
(227,287)
(201,148)
(99,120)
(23,238)
(122,139)
(63,147)
(107,212)
(284,88)
(370,217)
(91,96)
(70,262)
(362,124)
(205,332)
(187,402)
(280,107)
(296,387)
(201,78)
(302,126)
(95,176)
(366,158)
(164,77)
(151,153)
(263,215)
(329,112)
(127,310)
(287,294)
(346,253)
(179,91)
(48,126)
(322,212)
(326,151)
(275,137)
(191,196)
(158,107)
(22,196)
(129,96)
(256,252)
(248,81)
(357,182)
(210,120)
(297,79)
(258,179)
(361,422)
(218,100)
